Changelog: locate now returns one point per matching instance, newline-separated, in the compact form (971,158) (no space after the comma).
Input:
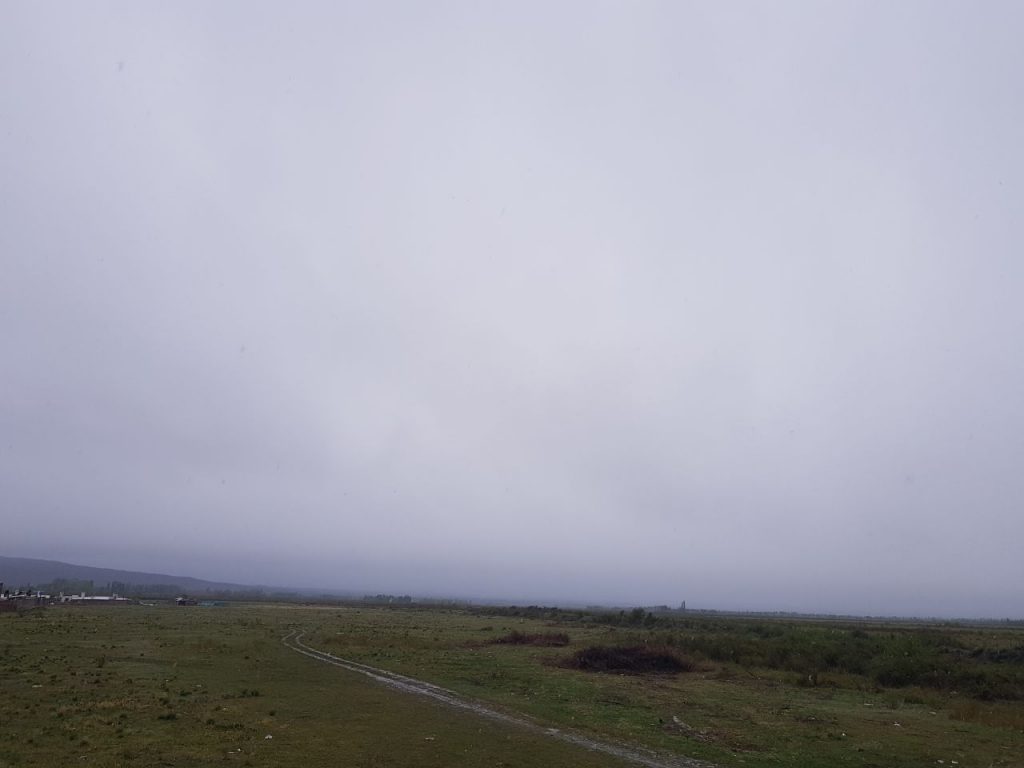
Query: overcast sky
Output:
(610,302)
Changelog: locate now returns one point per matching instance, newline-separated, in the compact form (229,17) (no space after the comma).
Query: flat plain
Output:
(195,686)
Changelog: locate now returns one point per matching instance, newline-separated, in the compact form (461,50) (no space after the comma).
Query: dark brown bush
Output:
(548,639)
(636,659)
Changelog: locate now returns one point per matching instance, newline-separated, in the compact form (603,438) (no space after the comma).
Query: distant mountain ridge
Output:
(18,572)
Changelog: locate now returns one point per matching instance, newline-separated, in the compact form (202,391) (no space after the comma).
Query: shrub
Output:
(548,639)
(636,659)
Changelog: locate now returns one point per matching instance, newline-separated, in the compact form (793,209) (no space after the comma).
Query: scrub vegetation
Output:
(165,685)
(637,659)
(550,639)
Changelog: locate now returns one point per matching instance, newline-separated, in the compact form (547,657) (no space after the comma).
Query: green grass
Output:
(167,686)
(728,712)
(141,686)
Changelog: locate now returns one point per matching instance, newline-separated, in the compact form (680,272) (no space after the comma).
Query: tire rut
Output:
(293,640)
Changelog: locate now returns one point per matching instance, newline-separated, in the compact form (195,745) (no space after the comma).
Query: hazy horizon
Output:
(354,592)
(638,303)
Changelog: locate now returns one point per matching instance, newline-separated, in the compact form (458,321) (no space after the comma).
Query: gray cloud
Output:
(585,301)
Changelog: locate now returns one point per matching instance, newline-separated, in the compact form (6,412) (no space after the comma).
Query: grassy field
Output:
(166,686)
(777,703)
(138,686)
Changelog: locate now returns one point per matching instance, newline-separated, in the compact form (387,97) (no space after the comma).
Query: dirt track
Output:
(293,640)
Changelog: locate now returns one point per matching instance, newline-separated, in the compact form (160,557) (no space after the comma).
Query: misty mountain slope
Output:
(23,571)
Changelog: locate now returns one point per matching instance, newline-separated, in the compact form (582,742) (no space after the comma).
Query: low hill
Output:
(18,572)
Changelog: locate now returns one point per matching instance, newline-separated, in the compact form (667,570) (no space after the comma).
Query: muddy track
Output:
(293,640)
